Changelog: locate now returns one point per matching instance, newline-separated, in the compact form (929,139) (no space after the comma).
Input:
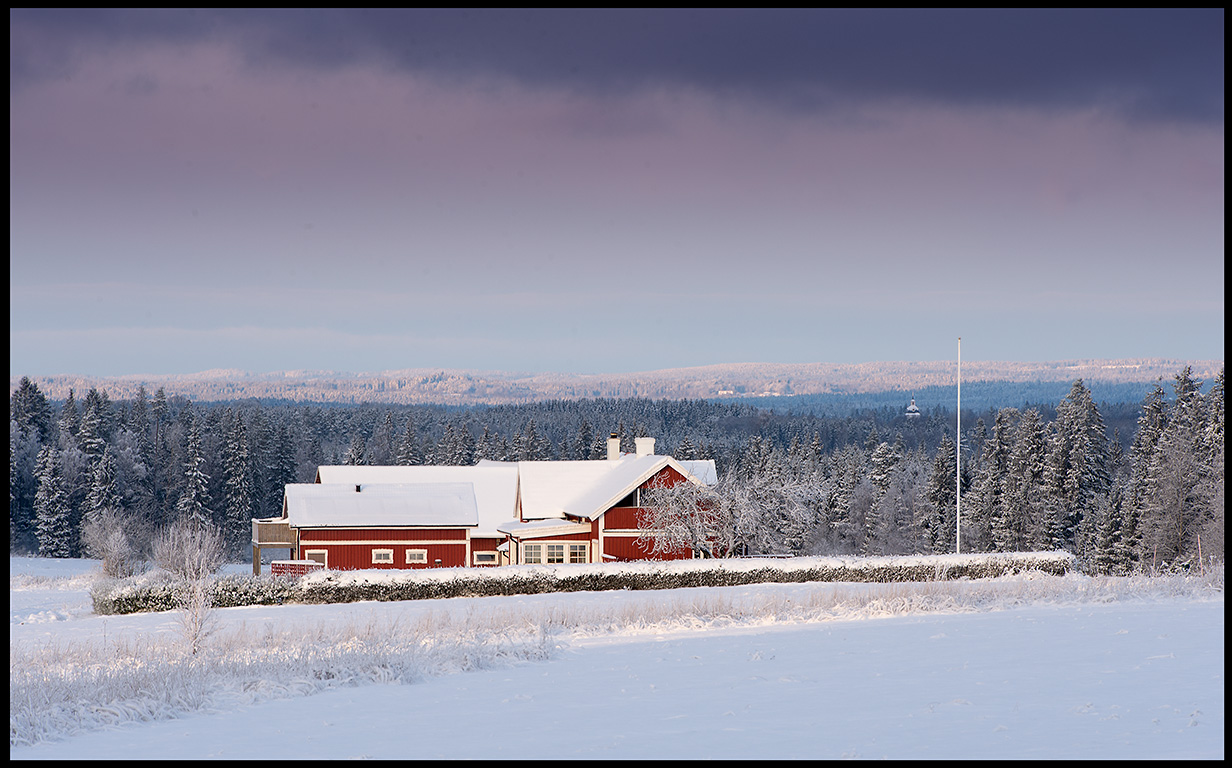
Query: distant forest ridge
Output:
(817,387)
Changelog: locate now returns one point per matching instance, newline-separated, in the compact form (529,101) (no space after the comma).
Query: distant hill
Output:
(737,380)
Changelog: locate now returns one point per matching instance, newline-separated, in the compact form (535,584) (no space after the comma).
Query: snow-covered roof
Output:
(586,489)
(702,469)
(423,504)
(495,485)
(548,490)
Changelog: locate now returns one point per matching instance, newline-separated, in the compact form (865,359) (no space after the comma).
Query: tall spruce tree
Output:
(194,502)
(28,407)
(986,506)
(92,428)
(239,494)
(1077,473)
(942,496)
(1019,525)
(53,523)
(104,487)
(408,449)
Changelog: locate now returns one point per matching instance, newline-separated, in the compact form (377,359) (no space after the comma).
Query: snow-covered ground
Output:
(1018,667)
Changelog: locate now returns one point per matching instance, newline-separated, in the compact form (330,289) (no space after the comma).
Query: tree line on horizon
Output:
(871,482)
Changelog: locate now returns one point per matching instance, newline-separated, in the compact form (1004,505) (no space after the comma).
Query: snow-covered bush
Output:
(146,594)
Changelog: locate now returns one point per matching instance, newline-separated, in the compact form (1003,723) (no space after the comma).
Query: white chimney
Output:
(613,446)
(645,446)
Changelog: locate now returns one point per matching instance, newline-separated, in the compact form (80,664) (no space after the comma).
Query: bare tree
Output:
(105,535)
(679,517)
(194,552)
(191,550)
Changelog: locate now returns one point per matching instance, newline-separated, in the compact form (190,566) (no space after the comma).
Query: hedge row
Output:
(160,593)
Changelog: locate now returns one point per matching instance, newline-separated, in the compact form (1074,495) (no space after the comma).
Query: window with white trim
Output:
(319,555)
(382,556)
(555,553)
(485,558)
(577,553)
(532,553)
(416,556)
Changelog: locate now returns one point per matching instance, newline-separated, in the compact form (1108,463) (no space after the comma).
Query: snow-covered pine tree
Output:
(462,450)
(942,496)
(193,504)
(239,493)
(53,524)
(381,448)
(528,445)
(69,422)
(104,491)
(24,446)
(1019,525)
(284,466)
(28,407)
(408,448)
(442,454)
(598,447)
(881,464)
(1077,470)
(357,454)
(1212,485)
(1173,507)
(92,428)
(1111,549)
(160,409)
(583,441)
(985,507)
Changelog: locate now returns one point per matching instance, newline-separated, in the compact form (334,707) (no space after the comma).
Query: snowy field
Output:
(1017,667)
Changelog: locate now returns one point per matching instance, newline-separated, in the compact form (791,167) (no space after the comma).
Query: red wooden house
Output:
(493,513)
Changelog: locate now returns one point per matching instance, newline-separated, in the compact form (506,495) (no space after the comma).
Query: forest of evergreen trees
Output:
(1130,487)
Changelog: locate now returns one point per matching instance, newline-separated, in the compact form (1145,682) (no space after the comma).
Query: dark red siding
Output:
(621,519)
(345,555)
(486,545)
(627,548)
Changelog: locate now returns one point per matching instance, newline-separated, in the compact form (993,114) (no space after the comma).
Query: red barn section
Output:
(344,549)
(491,514)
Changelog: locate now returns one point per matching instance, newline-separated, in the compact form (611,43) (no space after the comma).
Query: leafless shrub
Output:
(192,551)
(198,618)
(105,535)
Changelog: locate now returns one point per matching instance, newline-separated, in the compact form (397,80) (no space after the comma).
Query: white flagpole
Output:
(958,462)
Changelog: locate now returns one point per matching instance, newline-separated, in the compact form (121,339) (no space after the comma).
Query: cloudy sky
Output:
(611,191)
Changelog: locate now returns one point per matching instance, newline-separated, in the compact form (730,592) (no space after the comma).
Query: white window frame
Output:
(324,553)
(383,560)
(488,558)
(416,556)
(537,553)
